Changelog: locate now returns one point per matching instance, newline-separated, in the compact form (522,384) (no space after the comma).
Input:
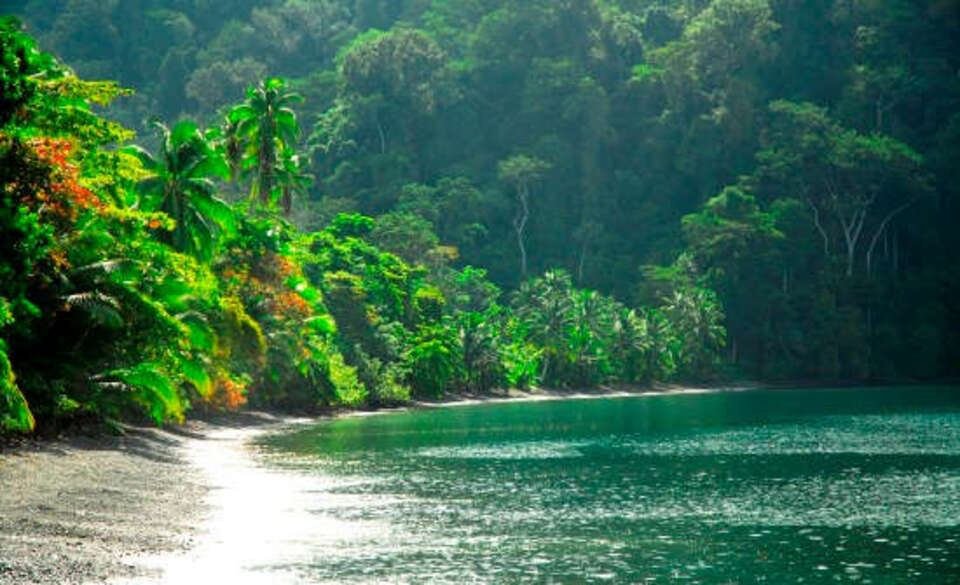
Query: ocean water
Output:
(799,486)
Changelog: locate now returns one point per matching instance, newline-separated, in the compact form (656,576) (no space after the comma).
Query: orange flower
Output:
(65,176)
(292,305)
(230,394)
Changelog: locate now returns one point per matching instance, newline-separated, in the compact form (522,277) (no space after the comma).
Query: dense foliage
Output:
(131,285)
(760,188)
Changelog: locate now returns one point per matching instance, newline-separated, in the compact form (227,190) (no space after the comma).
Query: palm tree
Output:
(181,185)
(697,316)
(267,127)
(291,180)
(546,305)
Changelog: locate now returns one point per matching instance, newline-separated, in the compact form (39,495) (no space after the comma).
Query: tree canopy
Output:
(357,201)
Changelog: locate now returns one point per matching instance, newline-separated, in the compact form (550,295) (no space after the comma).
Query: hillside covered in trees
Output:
(355,201)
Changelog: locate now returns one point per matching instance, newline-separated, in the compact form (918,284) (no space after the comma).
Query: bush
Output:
(434,360)
(15,415)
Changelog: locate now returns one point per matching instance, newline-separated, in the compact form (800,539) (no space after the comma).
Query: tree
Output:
(738,250)
(696,316)
(854,184)
(267,127)
(522,172)
(481,322)
(292,180)
(590,339)
(545,305)
(181,185)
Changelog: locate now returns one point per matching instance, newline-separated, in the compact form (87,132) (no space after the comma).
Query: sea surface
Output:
(785,486)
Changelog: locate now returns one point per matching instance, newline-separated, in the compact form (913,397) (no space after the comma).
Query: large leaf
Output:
(240,114)
(102,308)
(213,164)
(15,415)
(149,162)
(196,374)
(287,122)
(201,335)
(154,389)
(219,211)
(184,132)
(117,270)
(175,295)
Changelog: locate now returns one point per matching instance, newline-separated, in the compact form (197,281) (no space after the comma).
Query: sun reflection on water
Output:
(264,522)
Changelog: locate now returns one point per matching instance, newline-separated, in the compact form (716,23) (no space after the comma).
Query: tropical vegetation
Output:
(310,204)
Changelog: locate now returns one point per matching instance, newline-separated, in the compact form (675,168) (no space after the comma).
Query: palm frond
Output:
(115,266)
(201,335)
(195,373)
(154,389)
(101,308)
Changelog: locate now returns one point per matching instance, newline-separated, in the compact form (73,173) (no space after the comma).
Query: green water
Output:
(810,486)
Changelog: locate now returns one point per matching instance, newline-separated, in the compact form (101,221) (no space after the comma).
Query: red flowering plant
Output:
(65,195)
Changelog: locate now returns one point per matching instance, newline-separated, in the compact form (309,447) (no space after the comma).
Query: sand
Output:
(82,510)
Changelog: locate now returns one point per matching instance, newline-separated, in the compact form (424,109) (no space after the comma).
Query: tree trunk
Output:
(520,224)
(852,230)
(819,226)
(383,138)
(881,230)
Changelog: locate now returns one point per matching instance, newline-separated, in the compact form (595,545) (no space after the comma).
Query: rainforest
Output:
(306,204)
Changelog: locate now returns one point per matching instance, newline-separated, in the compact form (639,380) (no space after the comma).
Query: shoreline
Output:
(79,510)
(632,391)
(146,506)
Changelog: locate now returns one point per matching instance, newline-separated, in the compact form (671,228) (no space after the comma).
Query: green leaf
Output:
(323,324)
(219,211)
(15,415)
(175,295)
(155,391)
(241,113)
(213,165)
(201,335)
(149,162)
(185,131)
(102,308)
(196,374)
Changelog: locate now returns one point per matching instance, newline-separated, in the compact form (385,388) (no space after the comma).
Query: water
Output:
(810,486)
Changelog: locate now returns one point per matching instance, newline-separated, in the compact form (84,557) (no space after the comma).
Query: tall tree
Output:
(268,128)
(522,172)
(854,184)
(182,186)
